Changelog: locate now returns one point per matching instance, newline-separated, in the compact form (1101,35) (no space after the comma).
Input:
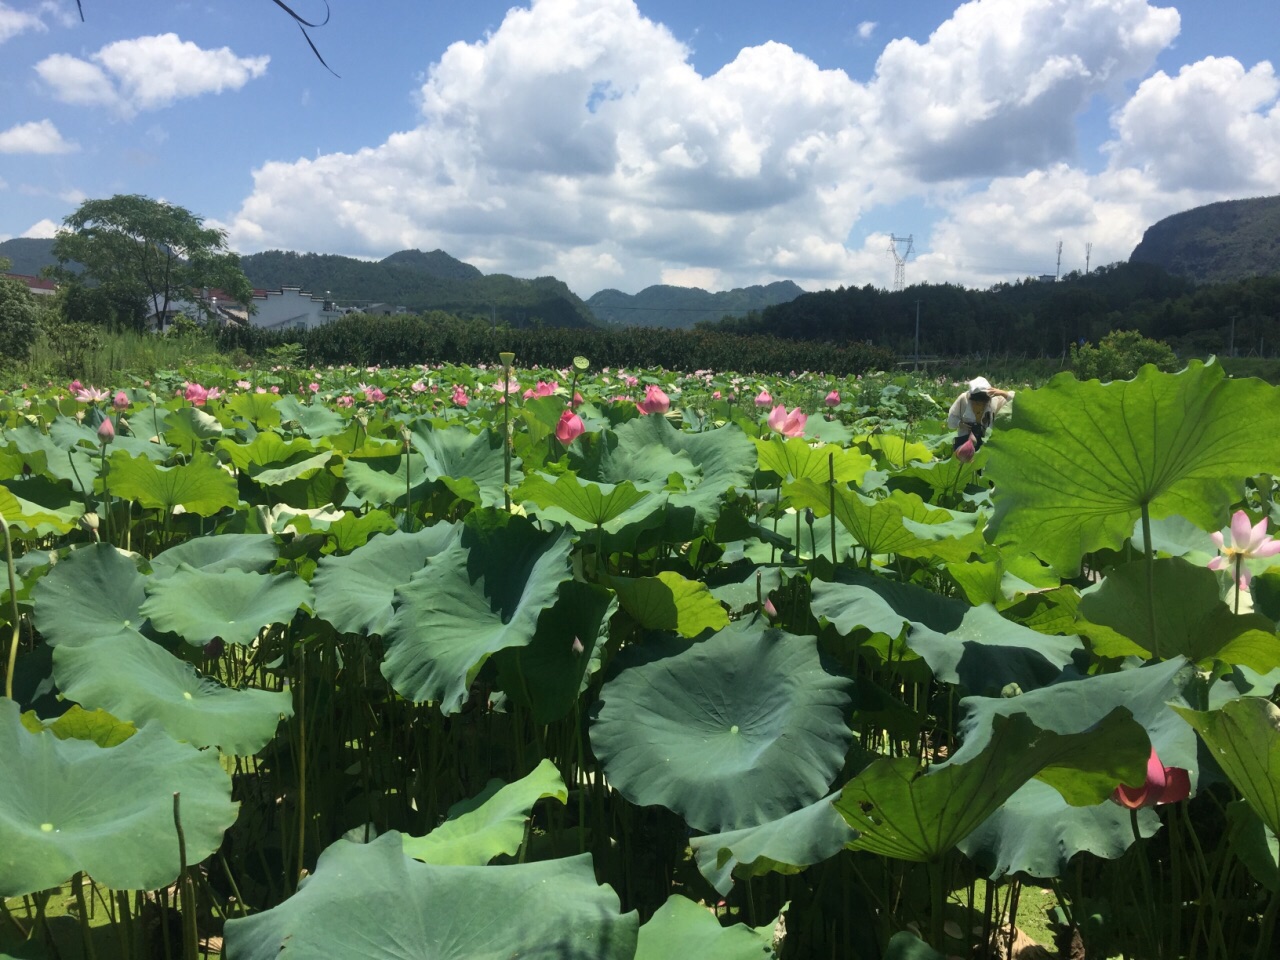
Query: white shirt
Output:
(961,416)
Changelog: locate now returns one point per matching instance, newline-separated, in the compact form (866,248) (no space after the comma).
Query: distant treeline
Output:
(437,337)
(1034,318)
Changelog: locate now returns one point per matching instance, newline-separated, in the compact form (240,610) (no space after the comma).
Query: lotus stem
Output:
(831,503)
(1151,580)
(13,607)
(506,430)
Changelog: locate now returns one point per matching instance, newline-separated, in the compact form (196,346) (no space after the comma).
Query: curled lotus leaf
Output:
(371,901)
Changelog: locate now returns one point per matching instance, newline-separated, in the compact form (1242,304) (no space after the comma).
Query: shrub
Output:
(19,320)
(1119,355)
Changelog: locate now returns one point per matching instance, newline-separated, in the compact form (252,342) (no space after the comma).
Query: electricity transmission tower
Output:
(1088,252)
(900,260)
(1057,271)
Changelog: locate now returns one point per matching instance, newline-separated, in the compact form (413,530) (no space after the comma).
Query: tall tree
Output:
(136,247)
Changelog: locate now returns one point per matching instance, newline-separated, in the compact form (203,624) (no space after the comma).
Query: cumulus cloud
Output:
(146,73)
(577,139)
(865,29)
(42,230)
(38,136)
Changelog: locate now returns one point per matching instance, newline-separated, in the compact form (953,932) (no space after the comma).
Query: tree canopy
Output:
(135,248)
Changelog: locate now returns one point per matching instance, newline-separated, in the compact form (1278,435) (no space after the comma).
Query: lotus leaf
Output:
(477,596)
(733,731)
(795,459)
(107,812)
(1190,619)
(971,646)
(77,723)
(254,552)
(670,602)
(78,467)
(681,927)
(315,419)
(372,902)
(549,675)
(95,592)
(267,449)
(585,505)
(1253,842)
(137,680)
(490,824)
(1244,738)
(258,409)
(188,428)
(902,812)
(68,433)
(387,480)
(355,593)
(786,845)
(234,605)
(199,486)
(1080,460)
(470,465)
(36,517)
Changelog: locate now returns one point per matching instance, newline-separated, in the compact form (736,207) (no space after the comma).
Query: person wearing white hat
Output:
(972,413)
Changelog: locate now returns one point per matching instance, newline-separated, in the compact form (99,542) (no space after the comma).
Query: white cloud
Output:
(578,140)
(147,73)
(42,230)
(1215,126)
(38,136)
(865,29)
(14,22)
(702,277)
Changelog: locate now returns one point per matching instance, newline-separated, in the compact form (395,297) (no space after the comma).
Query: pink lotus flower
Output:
(769,609)
(655,401)
(195,394)
(788,424)
(763,399)
(75,386)
(243,384)
(418,387)
(275,389)
(1248,542)
(106,431)
(213,394)
(460,396)
(91,394)
(374,395)
(121,401)
(832,399)
(1163,785)
(577,399)
(965,452)
(569,428)
(346,401)
(716,395)
(313,387)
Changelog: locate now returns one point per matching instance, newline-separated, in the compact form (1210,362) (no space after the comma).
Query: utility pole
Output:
(1057,271)
(917,366)
(1088,250)
(1231,340)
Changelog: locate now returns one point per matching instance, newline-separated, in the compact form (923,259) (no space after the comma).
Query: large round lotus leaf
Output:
(1080,459)
(670,602)
(1190,619)
(1243,737)
(794,458)
(736,730)
(974,647)
(490,824)
(902,814)
(648,450)
(227,551)
(267,449)
(355,592)
(586,505)
(786,845)
(549,675)
(231,604)
(137,680)
(95,592)
(1255,844)
(39,506)
(68,433)
(372,902)
(199,486)
(480,595)
(78,467)
(69,805)
(470,465)
(682,928)
(316,419)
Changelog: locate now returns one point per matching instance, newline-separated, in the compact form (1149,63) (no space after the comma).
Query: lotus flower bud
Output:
(106,431)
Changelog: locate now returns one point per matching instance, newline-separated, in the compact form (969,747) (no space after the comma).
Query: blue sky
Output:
(621,143)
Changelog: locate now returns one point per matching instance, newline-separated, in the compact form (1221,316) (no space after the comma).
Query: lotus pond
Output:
(486,662)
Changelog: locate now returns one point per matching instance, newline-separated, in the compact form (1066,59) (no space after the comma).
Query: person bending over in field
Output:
(971,416)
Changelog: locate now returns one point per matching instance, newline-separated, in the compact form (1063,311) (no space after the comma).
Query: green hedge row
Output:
(434,338)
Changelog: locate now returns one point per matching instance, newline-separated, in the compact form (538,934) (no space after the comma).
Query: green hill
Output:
(682,307)
(28,255)
(421,282)
(1216,243)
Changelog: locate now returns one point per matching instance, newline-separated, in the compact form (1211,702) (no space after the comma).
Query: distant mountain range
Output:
(667,306)
(1216,243)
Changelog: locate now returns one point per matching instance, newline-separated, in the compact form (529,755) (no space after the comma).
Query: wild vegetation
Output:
(620,663)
